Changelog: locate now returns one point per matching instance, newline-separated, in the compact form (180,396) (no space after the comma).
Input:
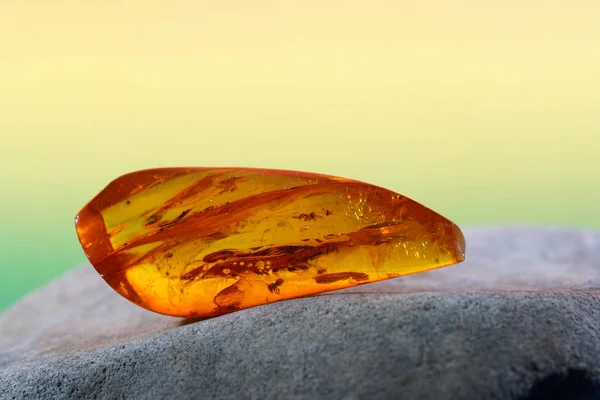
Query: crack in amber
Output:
(200,242)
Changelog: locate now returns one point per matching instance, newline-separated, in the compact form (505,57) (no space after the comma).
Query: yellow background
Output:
(484,111)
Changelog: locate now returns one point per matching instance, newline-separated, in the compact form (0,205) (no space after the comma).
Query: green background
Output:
(487,112)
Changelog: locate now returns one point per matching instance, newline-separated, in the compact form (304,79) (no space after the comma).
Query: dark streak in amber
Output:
(194,273)
(154,218)
(339,276)
(179,218)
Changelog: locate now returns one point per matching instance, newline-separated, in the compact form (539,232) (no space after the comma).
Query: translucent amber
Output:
(199,242)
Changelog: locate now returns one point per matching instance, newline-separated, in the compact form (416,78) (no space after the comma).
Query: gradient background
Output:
(487,112)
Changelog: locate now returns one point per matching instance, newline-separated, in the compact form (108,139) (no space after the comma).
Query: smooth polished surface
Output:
(199,242)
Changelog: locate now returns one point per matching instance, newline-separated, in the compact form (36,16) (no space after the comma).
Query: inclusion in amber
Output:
(199,242)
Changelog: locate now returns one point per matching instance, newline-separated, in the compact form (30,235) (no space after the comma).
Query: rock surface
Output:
(520,319)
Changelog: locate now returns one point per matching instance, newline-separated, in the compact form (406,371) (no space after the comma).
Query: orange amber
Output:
(199,242)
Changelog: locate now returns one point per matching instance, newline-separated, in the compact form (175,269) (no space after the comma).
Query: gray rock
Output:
(519,319)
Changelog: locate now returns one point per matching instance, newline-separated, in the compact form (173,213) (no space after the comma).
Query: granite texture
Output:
(520,319)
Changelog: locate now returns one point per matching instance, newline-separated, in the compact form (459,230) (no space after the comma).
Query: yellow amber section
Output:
(199,242)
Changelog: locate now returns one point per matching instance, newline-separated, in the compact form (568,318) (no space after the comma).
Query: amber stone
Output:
(199,242)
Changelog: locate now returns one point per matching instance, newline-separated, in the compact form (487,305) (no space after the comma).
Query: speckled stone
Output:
(520,319)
